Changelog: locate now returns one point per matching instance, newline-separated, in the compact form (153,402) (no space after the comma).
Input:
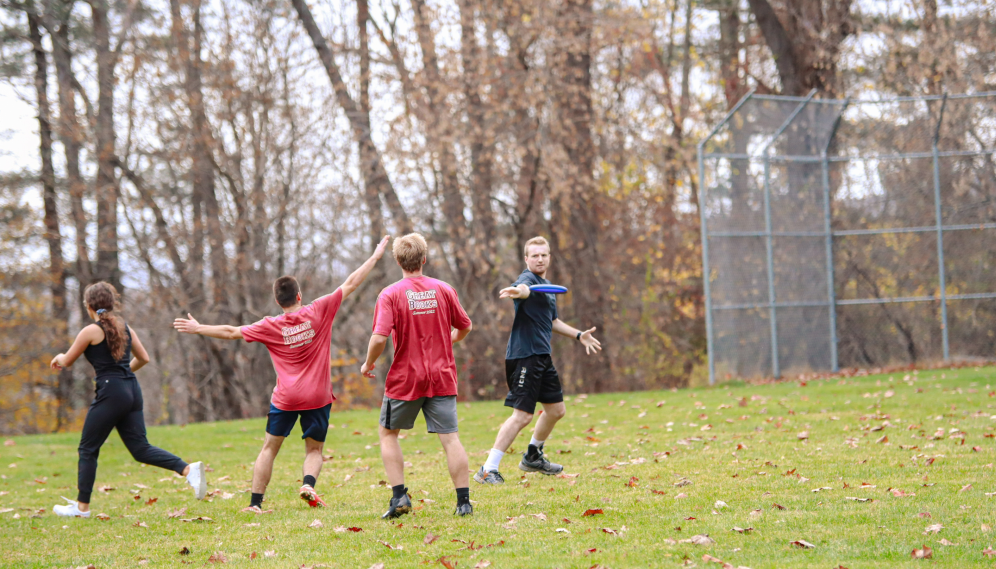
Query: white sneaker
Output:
(197,480)
(70,510)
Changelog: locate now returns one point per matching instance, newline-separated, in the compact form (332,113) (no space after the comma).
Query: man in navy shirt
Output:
(529,369)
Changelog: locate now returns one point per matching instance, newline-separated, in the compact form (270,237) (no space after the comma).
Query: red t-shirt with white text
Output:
(300,345)
(419,314)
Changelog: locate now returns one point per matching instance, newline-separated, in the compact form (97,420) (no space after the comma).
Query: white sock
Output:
(535,442)
(494,459)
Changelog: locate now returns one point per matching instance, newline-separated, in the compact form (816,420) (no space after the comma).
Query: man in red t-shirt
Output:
(299,342)
(424,319)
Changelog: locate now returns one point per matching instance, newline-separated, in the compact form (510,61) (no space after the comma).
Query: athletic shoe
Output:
(464,510)
(70,510)
(197,480)
(539,464)
(398,507)
(256,510)
(488,477)
(309,495)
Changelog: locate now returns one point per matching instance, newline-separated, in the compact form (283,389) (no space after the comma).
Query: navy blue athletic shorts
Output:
(314,422)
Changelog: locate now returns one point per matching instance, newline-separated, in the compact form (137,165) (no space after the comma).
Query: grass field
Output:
(859,468)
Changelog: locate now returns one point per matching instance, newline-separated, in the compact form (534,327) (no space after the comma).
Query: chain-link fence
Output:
(848,233)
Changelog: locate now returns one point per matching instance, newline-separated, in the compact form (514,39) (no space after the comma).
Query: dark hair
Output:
(285,290)
(102,298)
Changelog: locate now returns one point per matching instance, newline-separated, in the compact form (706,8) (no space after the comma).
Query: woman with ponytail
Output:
(108,345)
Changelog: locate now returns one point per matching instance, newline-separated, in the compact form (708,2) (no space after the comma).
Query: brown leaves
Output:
(197,519)
(701,539)
(989,552)
(429,538)
(925,553)
(901,494)
(151,501)
(965,488)
(176,513)
(742,530)
(103,517)
(802,544)
(935,528)
(140,524)
(944,541)
(185,551)
(218,557)
(594,512)
(317,524)
(633,482)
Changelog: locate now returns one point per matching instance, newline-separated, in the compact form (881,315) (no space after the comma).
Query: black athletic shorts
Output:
(532,380)
(314,422)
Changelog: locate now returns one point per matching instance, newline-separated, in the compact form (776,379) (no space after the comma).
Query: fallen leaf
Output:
(803,544)
(388,545)
(680,496)
(176,513)
(924,515)
(778,506)
(479,565)
(185,551)
(742,530)
(989,551)
(592,512)
(140,524)
(702,539)
(151,501)
(218,557)
(563,530)
(944,541)
(541,517)
(354,529)
(609,531)
(103,516)
(252,525)
(965,487)
(803,435)
(859,499)
(253,555)
(719,505)
(197,519)
(590,551)
(9,443)
(270,553)
(925,553)
(429,538)
(933,528)
(316,524)
(900,494)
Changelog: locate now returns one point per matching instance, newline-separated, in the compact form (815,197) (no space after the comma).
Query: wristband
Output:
(579,336)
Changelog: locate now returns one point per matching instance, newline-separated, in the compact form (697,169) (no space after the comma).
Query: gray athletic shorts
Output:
(440,413)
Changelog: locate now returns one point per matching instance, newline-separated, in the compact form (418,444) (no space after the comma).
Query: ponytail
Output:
(103,299)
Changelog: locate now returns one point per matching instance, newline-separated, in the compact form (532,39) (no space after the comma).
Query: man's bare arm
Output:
(374,349)
(587,340)
(190,325)
(354,280)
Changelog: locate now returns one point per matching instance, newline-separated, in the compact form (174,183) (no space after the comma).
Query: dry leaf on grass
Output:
(316,524)
(593,512)
(859,499)
(541,517)
(742,530)
(802,544)
(482,564)
(429,537)
(377,566)
(701,539)
(925,553)
(103,516)
(965,487)
(176,513)
(933,529)
(945,542)
(140,524)
(197,519)
(989,552)
(270,553)
(218,557)
(185,551)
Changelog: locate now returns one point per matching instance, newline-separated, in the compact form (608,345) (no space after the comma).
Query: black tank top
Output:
(99,356)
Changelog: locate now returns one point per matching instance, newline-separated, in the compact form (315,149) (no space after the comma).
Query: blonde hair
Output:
(535,241)
(410,251)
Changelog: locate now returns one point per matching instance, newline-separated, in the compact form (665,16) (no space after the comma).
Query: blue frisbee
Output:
(548,288)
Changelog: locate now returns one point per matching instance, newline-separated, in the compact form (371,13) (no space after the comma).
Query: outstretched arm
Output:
(521,292)
(374,350)
(354,280)
(191,326)
(587,340)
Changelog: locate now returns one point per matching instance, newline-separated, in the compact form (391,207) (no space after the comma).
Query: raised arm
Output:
(374,350)
(354,280)
(191,326)
(520,291)
(587,340)
(87,336)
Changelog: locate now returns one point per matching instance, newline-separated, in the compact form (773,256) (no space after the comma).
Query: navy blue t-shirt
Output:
(533,324)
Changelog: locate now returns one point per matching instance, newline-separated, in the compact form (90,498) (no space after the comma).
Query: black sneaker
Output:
(464,509)
(488,477)
(398,507)
(539,463)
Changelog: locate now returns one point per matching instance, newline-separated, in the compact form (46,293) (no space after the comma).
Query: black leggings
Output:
(118,404)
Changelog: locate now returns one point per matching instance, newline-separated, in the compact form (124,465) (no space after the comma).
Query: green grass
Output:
(631,431)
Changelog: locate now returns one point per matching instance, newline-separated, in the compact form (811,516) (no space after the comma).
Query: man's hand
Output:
(381,247)
(187,325)
(519,292)
(589,342)
(57,362)
(367,371)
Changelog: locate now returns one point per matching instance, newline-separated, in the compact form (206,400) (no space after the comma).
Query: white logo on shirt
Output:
(421,300)
(299,335)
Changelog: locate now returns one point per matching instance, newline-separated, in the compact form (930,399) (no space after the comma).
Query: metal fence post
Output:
(827,227)
(772,309)
(710,339)
(942,277)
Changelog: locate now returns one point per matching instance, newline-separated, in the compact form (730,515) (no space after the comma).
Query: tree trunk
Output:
(578,198)
(372,163)
(53,234)
(106,187)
